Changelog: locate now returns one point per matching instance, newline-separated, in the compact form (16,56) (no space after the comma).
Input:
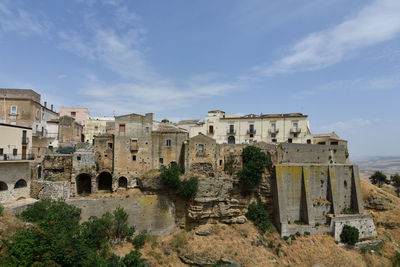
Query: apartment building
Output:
(98,126)
(80,115)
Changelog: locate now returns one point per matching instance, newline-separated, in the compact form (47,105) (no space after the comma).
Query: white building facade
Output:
(270,128)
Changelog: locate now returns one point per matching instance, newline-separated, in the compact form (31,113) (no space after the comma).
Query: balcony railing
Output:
(12,157)
(251,131)
(295,130)
(273,131)
(231,131)
(25,140)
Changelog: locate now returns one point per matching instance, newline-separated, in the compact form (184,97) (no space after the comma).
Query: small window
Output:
(273,140)
(15,151)
(201,149)
(134,157)
(37,114)
(96,128)
(290,140)
(78,157)
(122,128)
(295,135)
(273,135)
(309,141)
(273,127)
(14,110)
(161,161)
(201,166)
(1,151)
(251,128)
(168,143)
(211,129)
(110,145)
(73,114)
(334,143)
(147,129)
(220,162)
(251,135)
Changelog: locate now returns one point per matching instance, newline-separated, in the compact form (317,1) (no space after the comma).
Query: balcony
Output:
(251,131)
(273,131)
(38,133)
(16,157)
(231,131)
(25,140)
(295,130)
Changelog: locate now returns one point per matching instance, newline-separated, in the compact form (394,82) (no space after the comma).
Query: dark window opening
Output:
(83,184)
(220,162)
(231,140)
(104,181)
(134,157)
(309,141)
(39,172)
(274,140)
(295,135)
(251,135)
(78,157)
(273,135)
(231,128)
(168,143)
(15,151)
(110,145)
(211,129)
(20,184)
(334,143)
(251,128)
(3,186)
(321,143)
(1,151)
(123,182)
(161,160)
(201,166)
(73,114)
(290,140)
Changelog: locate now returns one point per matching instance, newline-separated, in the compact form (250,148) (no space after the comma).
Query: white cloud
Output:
(377,22)
(383,83)
(62,76)
(15,19)
(351,124)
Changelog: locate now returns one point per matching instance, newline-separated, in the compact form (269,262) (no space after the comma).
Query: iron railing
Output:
(16,157)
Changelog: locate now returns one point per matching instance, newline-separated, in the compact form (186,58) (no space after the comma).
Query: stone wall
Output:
(57,167)
(363,223)
(151,212)
(50,190)
(15,179)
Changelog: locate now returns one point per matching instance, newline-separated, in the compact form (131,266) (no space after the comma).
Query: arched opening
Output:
(104,181)
(39,172)
(83,184)
(20,184)
(3,186)
(122,182)
(231,140)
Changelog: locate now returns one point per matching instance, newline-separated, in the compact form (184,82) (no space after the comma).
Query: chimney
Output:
(45,104)
(51,107)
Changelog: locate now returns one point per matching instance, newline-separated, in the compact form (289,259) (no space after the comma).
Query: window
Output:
(110,145)
(290,140)
(295,135)
(122,128)
(15,151)
(134,157)
(273,135)
(309,141)
(201,166)
(201,150)
(1,151)
(147,129)
(134,145)
(168,143)
(78,157)
(295,126)
(161,161)
(231,128)
(273,140)
(251,128)
(220,162)
(211,129)
(73,114)
(251,135)
(273,127)
(14,110)
(96,128)
(321,143)
(334,143)
(37,114)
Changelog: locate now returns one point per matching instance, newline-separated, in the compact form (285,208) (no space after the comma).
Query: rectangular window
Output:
(273,140)
(251,128)
(290,140)
(273,127)
(1,151)
(295,135)
(14,110)
(110,145)
(201,150)
(309,141)
(295,126)
(96,128)
(122,128)
(273,135)
(168,143)
(334,143)
(134,157)
(231,128)
(15,151)
(134,145)
(220,162)
(147,129)
(211,129)
(161,161)
(73,114)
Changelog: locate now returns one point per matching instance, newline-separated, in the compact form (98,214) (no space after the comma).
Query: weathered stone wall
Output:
(104,152)
(50,190)
(305,153)
(363,223)
(168,154)
(151,212)
(57,167)
(10,174)
(195,160)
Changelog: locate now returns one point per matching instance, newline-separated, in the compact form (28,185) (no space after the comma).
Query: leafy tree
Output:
(395,179)
(140,239)
(170,176)
(254,163)
(120,228)
(259,216)
(378,178)
(349,235)
(188,188)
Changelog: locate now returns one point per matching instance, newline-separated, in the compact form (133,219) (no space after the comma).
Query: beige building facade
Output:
(269,128)
(15,142)
(98,126)
(80,115)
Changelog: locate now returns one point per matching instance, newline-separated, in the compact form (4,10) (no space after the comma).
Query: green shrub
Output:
(1,210)
(306,233)
(396,259)
(188,188)
(349,235)
(254,163)
(259,216)
(120,227)
(378,178)
(170,176)
(298,234)
(139,240)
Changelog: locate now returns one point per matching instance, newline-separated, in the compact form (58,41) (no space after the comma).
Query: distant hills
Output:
(388,165)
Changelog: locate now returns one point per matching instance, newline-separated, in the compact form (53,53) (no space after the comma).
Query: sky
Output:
(337,61)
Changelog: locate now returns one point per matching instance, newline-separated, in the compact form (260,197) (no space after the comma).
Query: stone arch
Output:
(122,182)
(83,184)
(3,186)
(104,181)
(231,139)
(20,184)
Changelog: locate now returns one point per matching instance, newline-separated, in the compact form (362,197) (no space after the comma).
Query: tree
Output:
(254,163)
(378,178)
(170,176)
(349,235)
(259,216)
(188,188)
(395,179)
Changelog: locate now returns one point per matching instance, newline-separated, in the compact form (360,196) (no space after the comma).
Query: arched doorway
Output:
(20,184)
(104,181)
(231,140)
(123,182)
(83,184)
(3,186)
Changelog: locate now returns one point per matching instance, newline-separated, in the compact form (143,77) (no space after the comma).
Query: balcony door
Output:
(23,152)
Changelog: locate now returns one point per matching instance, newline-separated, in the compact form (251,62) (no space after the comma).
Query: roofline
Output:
(15,126)
(263,116)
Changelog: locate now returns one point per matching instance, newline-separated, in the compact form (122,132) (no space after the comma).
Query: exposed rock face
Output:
(378,202)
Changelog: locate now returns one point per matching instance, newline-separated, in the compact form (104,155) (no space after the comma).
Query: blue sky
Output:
(337,61)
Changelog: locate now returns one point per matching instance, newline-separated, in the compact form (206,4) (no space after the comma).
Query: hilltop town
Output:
(97,164)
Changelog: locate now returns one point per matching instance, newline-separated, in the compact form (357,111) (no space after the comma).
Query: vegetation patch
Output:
(186,189)
(349,235)
(259,216)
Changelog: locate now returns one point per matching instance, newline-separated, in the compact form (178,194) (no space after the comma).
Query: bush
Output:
(259,216)
(170,176)
(188,188)
(378,178)
(254,163)
(139,240)
(395,179)
(1,210)
(120,228)
(396,259)
(349,235)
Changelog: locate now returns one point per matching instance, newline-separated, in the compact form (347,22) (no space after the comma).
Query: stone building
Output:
(269,128)
(69,132)
(81,115)
(104,152)
(98,126)
(15,162)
